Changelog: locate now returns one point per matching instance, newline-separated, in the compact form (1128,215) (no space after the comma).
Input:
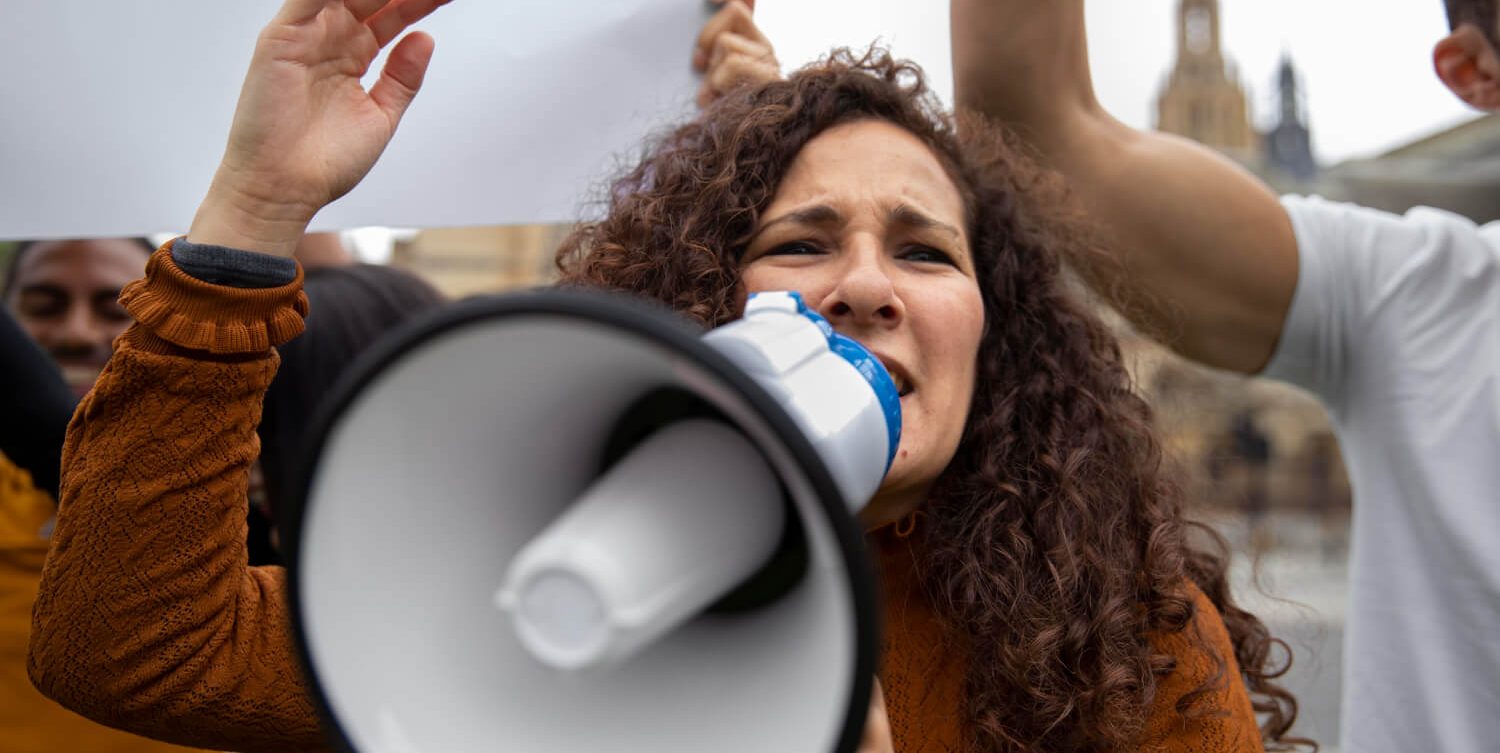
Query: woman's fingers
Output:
(363,9)
(737,61)
(402,76)
(391,20)
(730,44)
(737,17)
(732,51)
(298,11)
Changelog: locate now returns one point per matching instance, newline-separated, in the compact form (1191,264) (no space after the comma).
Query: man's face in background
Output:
(64,294)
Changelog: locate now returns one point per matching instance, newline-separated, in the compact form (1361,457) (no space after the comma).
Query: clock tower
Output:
(1203,99)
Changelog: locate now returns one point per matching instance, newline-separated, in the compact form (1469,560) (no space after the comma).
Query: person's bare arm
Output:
(1199,253)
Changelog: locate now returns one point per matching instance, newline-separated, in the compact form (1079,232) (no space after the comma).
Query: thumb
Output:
(402,76)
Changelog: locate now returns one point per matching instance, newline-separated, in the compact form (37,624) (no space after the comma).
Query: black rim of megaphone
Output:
(651,322)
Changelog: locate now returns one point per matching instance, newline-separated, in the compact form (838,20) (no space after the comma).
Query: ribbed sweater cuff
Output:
(173,308)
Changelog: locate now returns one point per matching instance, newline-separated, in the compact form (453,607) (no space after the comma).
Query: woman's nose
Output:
(864,295)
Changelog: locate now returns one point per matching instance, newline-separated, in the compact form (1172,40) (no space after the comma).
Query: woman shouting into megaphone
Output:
(1040,592)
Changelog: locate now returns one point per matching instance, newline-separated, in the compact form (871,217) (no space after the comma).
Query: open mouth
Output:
(904,386)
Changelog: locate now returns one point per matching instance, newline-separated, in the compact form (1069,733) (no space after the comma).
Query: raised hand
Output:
(731,51)
(305,130)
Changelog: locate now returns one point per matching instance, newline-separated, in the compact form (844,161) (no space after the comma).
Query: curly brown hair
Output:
(1055,544)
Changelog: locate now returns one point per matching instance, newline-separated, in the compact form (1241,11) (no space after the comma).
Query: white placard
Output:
(115,114)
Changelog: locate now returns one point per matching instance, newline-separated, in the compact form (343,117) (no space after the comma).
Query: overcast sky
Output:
(1366,65)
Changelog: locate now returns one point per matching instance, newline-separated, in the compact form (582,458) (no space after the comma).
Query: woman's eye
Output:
(927,254)
(798,248)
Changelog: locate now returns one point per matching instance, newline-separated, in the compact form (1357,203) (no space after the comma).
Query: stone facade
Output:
(1203,99)
(1241,446)
(475,260)
(1457,169)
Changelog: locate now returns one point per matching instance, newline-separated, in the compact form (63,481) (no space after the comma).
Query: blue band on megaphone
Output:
(867,365)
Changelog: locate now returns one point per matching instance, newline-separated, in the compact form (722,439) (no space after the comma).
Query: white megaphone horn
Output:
(565,521)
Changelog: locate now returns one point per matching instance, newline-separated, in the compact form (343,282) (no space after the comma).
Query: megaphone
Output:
(569,521)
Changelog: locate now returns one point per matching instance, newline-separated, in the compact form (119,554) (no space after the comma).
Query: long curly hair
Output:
(1054,543)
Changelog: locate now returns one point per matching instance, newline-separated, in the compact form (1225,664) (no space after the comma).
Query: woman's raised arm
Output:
(148,617)
(305,131)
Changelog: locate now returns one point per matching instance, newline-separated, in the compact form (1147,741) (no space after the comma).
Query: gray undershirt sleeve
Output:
(221,265)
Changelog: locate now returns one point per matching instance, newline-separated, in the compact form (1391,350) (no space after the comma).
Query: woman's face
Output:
(869,228)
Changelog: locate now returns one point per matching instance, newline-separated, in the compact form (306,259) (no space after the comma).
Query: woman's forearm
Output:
(148,618)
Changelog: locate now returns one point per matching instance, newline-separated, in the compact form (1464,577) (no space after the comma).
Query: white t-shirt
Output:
(1396,326)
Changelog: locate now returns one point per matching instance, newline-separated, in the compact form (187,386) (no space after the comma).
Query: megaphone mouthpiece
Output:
(669,529)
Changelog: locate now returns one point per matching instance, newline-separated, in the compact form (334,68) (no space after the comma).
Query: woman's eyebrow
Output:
(819,214)
(903,214)
(915,218)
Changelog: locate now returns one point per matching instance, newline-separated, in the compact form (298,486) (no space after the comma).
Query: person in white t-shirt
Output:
(1393,321)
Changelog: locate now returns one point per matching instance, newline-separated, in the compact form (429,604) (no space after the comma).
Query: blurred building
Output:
(1245,446)
(474,260)
(1457,169)
(1210,421)
(1203,99)
(1257,459)
(1288,145)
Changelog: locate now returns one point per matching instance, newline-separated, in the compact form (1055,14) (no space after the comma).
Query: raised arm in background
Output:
(1390,320)
(1198,252)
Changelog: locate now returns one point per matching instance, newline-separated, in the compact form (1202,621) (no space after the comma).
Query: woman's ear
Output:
(1469,66)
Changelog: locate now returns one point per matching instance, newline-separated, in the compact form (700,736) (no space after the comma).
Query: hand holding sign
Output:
(732,51)
(305,130)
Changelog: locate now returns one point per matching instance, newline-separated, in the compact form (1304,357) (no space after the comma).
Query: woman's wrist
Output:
(236,218)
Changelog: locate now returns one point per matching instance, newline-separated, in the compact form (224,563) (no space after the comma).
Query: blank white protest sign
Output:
(116,112)
(113,115)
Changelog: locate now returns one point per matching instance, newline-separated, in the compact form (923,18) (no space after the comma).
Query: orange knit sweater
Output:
(922,673)
(29,722)
(149,618)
